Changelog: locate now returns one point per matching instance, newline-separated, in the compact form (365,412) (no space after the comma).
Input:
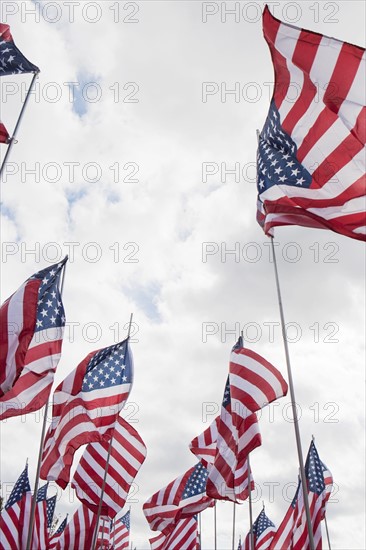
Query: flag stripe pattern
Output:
(204,445)
(12,61)
(78,532)
(120,532)
(182,498)
(13,519)
(128,453)
(183,537)
(283,536)
(32,326)
(85,408)
(311,161)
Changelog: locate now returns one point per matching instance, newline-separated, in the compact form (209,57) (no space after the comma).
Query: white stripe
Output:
(353,206)
(15,326)
(355,99)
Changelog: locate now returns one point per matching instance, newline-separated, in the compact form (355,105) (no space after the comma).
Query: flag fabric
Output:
(204,445)
(14,518)
(238,435)
(254,382)
(4,135)
(263,532)
(12,61)
(316,494)
(283,536)
(103,535)
(53,540)
(78,532)
(240,545)
(120,532)
(32,325)
(328,482)
(183,537)
(40,528)
(85,408)
(128,453)
(182,498)
(311,158)
(50,510)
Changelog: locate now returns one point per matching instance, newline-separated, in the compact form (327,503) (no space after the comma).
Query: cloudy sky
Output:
(136,156)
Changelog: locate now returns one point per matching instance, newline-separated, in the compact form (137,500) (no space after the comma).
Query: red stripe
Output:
(247,375)
(322,124)
(3,341)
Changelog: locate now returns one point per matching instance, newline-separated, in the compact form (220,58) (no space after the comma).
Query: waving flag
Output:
(120,533)
(32,324)
(283,536)
(204,445)
(14,518)
(127,455)
(40,529)
(4,136)
(238,435)
(78,532)
(263,532)
(311,158)
(85,408)
(103,538)
(183,537)
(12,61)
(53,541)
(182,498)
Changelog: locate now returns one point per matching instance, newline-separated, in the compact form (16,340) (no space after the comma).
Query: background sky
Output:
(123,162)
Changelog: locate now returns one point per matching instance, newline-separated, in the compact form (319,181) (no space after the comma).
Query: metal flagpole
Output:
(293,403)
(36,483)
(233,541)
(250,507)
(93,546)
(326,529)
(12,139)
(200,529)
(215,531)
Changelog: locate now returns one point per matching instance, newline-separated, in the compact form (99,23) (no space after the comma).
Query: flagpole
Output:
(233,541)
(200,528)
(293,404)
(12,139)
(250,507)
(93,546)
(215,530)
(36,483)
(326,529)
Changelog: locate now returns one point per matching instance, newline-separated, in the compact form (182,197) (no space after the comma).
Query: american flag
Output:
(12,61)
(204,445)
(311,158)
(317,494)
(78,532)
(32,325)
(128,453)
(4,135)
(103,538)
(182,498)
(40,529)
(183,537)
(53,540)
(254,382)
(283,536)
(328,482)
(238,435)
(263,532)
(120,532)
(14,518)
(85,407)
(50,510)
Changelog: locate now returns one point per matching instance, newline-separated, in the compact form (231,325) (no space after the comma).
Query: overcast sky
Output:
(121,163)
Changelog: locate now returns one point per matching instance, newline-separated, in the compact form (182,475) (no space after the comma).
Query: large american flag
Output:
(14,519)
(183,537)
(78,533)
(128,453)
(32,324)
(238,435)
(12,61)
(311,154)
(182,498)
(263,532)
(204,445)
(120,532)
(85,407)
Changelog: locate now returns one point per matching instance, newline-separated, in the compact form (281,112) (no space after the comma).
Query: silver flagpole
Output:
(200,528)
(215,530)
(233,541)
(326,529)
(293,403)
(36,483)
(93,546)
(250,507)
(12,139)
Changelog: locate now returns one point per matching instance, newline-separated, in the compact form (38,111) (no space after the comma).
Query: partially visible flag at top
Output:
(127,454)
(183,537)
(263,532)
(311,157)
(182,498)
(14,518)
(85,407)
(32,323)
(4,135)
(12,61)
(120,532)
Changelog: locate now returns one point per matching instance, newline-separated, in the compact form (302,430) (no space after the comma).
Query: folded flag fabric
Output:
(12,61)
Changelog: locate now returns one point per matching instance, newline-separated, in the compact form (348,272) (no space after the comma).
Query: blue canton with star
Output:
(20,488)
(196,483)
(50,310)
(314,471)
(126,520)
(62,527)
(276,157)
(109,367)
(226,400)
(12,61)
(261,524)
(42,493)
(50,509)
